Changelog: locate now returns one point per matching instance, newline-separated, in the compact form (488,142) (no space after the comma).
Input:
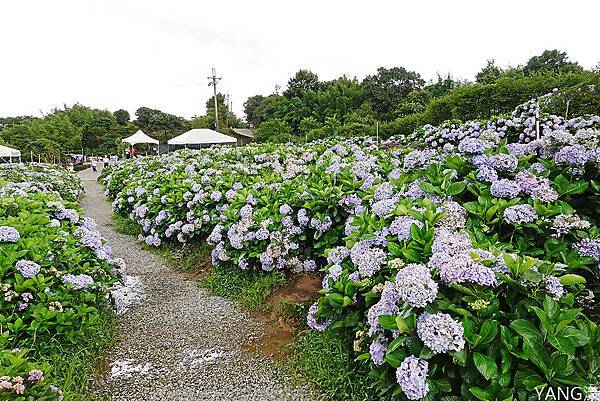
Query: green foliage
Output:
(125,225)
(122,116)
(553,61)
(488,74)
(64,131)
(326,360)
(402,102)
(248,288)
(56,314)
(389,87)
(274,130)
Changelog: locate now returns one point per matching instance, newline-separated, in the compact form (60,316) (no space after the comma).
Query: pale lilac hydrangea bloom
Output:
(377,350)
(411,375)
(367,260)
(9,234)
(401,227)
(27,268)
(78,281)
(313,321)
(415,286)
(564,223)
(440,333)
(505,188)
(520,214)
(553,287)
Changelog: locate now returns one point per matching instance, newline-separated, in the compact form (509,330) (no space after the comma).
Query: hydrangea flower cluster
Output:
(367,259)
(415,286)
(520,214)
(27,268)
(411,375)
(440,333)
(313,321)
(9,234)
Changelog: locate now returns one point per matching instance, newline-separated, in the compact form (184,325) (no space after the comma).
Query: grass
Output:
(326,360)
(247,288)
(125,225)
(76,366)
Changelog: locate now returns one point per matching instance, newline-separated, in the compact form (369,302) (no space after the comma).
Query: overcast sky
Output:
(129,53)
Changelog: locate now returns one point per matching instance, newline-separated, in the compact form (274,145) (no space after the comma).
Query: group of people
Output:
(94,160)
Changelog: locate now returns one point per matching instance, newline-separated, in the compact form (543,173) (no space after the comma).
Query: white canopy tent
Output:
(140,137)
(201,136)
(9,153)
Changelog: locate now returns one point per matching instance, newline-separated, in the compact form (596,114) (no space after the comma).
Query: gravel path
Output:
(178,343)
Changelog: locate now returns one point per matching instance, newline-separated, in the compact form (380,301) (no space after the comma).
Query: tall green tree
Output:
(489,74)
(122,116)
(301,83)
(389,87)
(250,110)
(554,61)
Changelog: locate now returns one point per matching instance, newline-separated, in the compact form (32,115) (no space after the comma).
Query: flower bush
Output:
(464,269)
(56,274)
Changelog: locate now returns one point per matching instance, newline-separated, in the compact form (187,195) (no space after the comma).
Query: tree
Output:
(388,88)
(488,74)
(304,81)
(165,125)
(122,116)
(553,61)
(274,130)
(250,107)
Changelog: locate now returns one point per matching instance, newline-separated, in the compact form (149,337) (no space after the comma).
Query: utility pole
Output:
(227,110)
(212,81)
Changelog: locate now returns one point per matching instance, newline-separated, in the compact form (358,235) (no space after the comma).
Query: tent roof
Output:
(5,151)
(247,132)
(198,136)
(139,137)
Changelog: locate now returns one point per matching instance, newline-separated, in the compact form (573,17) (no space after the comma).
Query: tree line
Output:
(82,129)
(400,100)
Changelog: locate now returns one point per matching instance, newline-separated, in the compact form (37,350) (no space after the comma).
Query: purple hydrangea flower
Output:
(440,333)
(504,162)
(78,281)
(575,155)
(411,375)
(505,189)
(313,321)
(285,209)
(377,350)
(520,214)
(589,247)
(401,227)
(553,287)
(368,260)
(27,268)
(9,234)
(415,286)
(488,174)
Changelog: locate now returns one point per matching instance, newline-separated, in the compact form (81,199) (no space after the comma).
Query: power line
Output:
(213,82)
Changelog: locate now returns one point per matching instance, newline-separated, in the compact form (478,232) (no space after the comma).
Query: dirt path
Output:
(178,343)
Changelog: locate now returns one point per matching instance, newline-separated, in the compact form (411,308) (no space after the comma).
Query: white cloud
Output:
(132,53)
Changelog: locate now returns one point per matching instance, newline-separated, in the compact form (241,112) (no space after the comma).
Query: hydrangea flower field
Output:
(462,260)
(56,273)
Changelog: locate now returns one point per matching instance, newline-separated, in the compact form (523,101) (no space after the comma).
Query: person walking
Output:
(95,165)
